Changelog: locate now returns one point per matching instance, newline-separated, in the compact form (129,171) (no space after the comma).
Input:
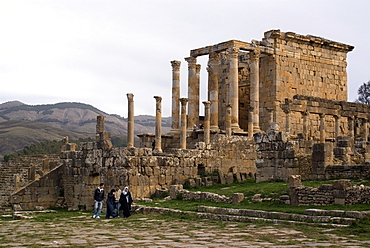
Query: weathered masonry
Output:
(275,108)
(256,80)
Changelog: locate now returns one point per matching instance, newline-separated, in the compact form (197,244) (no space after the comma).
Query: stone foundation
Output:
(341,192)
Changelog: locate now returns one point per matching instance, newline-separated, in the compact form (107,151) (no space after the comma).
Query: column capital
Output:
(269,110)
(175,65)
(232,52)
(184,101)
(322,115)
(286,110)
(213,57)
(130,97)
(255,54)
(191,62)
(305,113)
(207,104)
(158,98)
(197,68)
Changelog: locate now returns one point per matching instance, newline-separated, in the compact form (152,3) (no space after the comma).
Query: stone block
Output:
(326,187)
(174,190)
(343,184)
(237,198)
(295,181)
(229,178)
(339,201)
(339,193)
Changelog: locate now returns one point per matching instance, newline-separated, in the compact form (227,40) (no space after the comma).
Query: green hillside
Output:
(15,135)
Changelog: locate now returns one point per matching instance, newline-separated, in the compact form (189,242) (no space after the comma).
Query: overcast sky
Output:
(95,52)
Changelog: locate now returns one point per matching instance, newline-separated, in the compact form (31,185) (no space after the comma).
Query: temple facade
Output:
(260,80)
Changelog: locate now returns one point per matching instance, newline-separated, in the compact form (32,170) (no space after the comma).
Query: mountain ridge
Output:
(37,123)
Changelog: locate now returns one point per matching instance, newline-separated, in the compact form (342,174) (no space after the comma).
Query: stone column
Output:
(175,113)
(305,124)
(197,95)
(366,130)
(212,69)
(254,88)
(357,124)
(271,114)
(158,124)
(351,127)
(322,128)
(287,120)
(250,121)
(183,102)
(99,126)
(193,91)
(228,119)
(207,113)
(336,126)
(234,86)
(130,123)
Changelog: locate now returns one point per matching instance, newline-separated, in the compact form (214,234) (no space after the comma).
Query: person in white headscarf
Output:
(125,201)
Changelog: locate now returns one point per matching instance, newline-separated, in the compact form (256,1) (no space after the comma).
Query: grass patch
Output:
(360,229)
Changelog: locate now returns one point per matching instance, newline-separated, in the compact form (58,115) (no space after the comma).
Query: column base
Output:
(256,129)
(236,129)
(157,151)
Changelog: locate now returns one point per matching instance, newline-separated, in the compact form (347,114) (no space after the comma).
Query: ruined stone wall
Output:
(144,172)
(177,192)
(309,65)
(348,171)
(341,192)
(278,157)
(21,171)
(348,114)
(303,65)
(42,192)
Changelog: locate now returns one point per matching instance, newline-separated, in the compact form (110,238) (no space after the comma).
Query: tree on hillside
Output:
(364,93)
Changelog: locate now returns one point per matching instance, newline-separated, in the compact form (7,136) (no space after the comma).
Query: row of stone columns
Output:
(213,89)
(158,123)
(351,125)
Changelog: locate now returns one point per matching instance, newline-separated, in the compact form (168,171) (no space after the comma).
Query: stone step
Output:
(338,213)
(278,215)
(227,217)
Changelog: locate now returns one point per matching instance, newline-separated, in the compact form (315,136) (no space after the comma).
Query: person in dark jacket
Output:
(98,200)
(110,204)
(126,201)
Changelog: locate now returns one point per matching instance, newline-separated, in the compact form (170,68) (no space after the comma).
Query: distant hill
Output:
(22,124)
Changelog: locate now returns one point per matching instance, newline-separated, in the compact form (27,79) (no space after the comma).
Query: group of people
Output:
(117,202)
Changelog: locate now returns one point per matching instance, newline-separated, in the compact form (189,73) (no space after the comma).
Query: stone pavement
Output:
(155,231)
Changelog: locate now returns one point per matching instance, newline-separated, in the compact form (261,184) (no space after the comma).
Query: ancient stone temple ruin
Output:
(276,107)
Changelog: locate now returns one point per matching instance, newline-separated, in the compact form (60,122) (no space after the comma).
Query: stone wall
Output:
(43,192)
(177,192)
(276,156)
(341,192)
(348,171)
(145,172)
(19,172)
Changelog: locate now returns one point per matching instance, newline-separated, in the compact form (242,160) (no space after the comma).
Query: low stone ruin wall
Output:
(144,171)
(341,192)
(347,171)
(42,192)
(177,191)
